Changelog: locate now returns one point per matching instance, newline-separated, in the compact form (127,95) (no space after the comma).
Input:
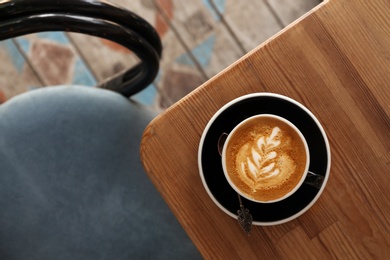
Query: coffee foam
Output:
(265,158)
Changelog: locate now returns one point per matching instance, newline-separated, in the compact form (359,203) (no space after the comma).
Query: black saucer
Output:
(225,120)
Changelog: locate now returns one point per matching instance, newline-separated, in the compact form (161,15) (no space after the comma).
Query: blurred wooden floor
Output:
(200,38)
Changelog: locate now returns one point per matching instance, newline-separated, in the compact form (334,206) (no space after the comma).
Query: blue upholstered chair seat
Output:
(71,181)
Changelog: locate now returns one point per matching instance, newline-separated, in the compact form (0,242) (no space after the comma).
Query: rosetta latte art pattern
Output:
(263,164)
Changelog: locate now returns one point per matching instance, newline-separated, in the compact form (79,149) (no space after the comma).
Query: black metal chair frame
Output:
(91,17)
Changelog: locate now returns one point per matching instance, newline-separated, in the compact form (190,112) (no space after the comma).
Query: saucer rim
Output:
(255,95)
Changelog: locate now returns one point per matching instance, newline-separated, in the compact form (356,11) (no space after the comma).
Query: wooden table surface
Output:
(335,61)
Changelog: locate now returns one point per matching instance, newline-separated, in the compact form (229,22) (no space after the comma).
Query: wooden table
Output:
(336,61)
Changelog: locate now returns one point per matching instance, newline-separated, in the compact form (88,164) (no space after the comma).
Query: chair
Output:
(71,182)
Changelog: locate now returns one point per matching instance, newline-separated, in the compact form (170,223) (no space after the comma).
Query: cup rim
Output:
(303,177)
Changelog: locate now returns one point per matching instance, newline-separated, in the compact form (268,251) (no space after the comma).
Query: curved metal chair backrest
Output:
(101,19)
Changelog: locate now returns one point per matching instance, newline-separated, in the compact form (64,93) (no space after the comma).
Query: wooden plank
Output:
(308,248)
(288,11)
(194,22)
(174,80)
(55,59)
(177,78)
(255,21)
(178,74)
(251,21)
(275,233)
(203,35)
(16,75)
(45,59)
(103,57)
(363,39)
(106,58)
(341,244)
(358,226)
(319,218)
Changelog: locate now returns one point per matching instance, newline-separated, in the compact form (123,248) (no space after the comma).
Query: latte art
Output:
(265,162)
(265,158)
(258,165)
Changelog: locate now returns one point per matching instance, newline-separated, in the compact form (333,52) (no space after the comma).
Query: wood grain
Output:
(336,61)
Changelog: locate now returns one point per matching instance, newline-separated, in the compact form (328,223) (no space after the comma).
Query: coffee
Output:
(265,158)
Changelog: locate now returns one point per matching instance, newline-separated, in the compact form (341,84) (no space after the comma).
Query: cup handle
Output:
(221,142)
(314,179)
